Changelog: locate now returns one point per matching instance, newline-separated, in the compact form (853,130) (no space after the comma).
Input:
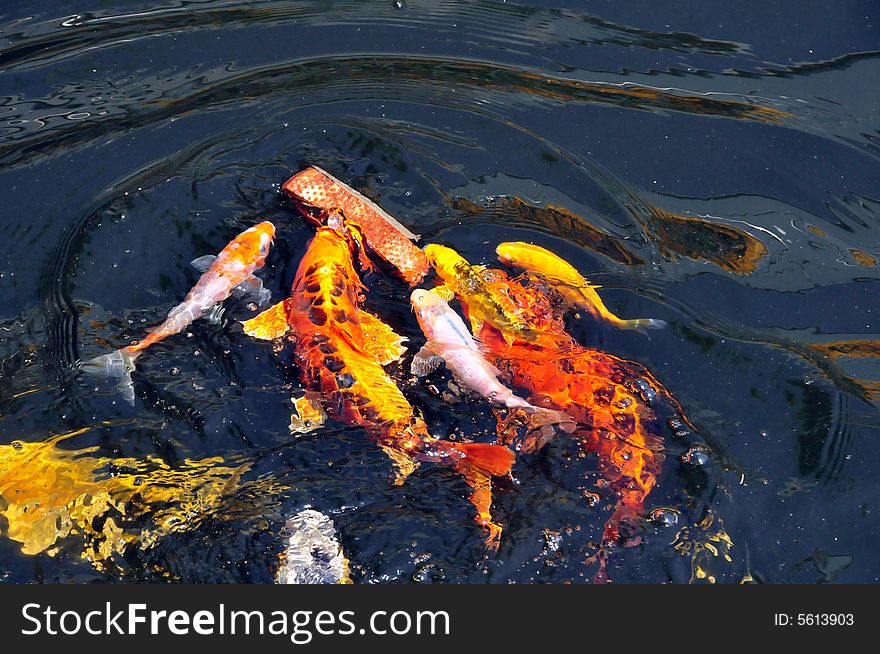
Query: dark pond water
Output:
(713,164)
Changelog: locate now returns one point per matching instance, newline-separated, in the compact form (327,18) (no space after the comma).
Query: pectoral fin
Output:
(381,341)
(476,324)
(308,414)
(269,325)
(203,263)
(252,288)
(425,362)
(214,315)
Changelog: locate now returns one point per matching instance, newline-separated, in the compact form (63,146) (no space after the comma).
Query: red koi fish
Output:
(314,188)
(231,271)
(340,350)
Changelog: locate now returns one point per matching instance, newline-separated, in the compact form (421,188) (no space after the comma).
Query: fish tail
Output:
(117,365)
(491,460)
(641,325)
(541,428)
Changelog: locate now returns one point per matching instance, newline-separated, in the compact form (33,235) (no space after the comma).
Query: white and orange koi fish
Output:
(451,343)
(229,272)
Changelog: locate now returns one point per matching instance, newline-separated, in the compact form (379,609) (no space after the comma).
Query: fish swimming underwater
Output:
(612,400)
(484,304)
(340,349)
(450,343)
(312,553)
(569,283)
(314,188)
(231,271)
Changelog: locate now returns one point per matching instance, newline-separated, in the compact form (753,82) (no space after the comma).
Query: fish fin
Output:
(540,428)
(252,288)
(641,325)
(214,315)
(425,361)
(116,365)
(491,368)
(444,292)
(586,298)
(479,463)
(481,499)
(404,464)
(308,414)
(476,323)
(269,325)
(486,458)
(381,341)
(203,263)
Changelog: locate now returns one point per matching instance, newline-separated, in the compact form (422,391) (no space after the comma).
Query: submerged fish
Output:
(229,272)
(340,349)
(312,554)
(569,283)
(484,304)
(314,188)
(450,343)
(612,401)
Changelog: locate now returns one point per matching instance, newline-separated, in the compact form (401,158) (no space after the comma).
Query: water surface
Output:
(715,165)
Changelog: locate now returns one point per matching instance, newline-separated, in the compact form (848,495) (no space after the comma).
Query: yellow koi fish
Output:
(569,283)
(483,303)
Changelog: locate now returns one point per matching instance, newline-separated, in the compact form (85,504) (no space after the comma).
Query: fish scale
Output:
(318,189)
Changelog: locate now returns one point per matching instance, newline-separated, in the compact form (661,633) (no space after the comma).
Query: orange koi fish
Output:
(314,188)
(605,395)
(231,271)
(340,349)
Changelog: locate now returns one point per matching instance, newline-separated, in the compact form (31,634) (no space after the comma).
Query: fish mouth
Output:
(418,296)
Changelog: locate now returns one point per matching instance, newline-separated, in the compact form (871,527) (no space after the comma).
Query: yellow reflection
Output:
(48,494)
(706,543)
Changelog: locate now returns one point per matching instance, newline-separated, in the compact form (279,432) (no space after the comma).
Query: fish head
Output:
(443,259)
(252,245)
(514,253)
(427,306)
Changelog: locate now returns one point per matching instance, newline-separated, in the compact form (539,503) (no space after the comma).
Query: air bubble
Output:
(696,456)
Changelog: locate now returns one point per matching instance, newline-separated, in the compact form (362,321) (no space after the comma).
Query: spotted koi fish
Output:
(340,350)
(609,399)
(230,272)
(316,189)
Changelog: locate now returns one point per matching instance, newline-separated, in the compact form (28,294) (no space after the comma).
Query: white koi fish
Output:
(229,272)
(450,343)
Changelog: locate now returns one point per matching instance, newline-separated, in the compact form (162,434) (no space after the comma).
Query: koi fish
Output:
(312,553)
(484,304)
(314,188)
(450,343)
(609,398)
(340,349)
(230,272)
(569,283)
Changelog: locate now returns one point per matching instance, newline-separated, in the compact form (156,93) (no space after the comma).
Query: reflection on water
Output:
(718,171)
(51,494)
